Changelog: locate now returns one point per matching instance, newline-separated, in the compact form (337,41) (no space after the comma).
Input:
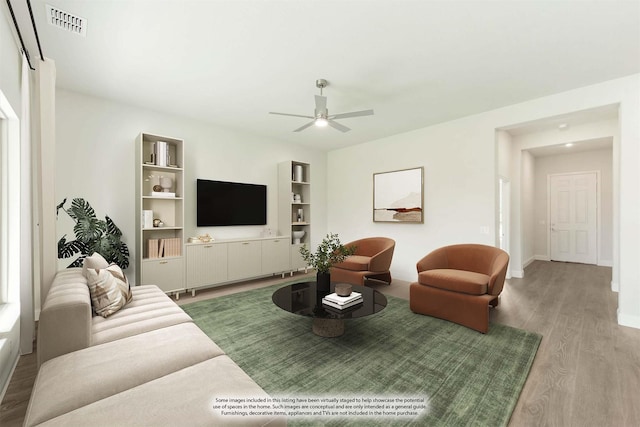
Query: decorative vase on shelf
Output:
(166,183)
(323,281)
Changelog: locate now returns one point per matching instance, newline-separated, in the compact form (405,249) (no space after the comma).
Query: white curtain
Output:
(45,171)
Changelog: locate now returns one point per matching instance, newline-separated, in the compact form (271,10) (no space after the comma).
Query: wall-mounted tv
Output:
(230,203)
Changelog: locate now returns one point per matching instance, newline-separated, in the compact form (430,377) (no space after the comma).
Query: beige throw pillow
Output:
(95,261)
(109,289)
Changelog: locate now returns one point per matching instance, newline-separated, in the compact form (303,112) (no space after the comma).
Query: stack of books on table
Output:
(336,301)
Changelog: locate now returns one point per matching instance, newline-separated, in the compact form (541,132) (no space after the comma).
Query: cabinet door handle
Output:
(208,246)
(245,243)
(164,262)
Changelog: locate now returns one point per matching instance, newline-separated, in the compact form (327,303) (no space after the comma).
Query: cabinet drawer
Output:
(245,259)
(296,258)
(275,255)
(167,274)
(206,264)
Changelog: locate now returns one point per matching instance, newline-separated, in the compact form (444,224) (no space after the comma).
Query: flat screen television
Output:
(221,203)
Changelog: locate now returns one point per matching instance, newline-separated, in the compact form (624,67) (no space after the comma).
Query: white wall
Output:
(95,160)
(460,171)
(527,186)
(597,160)
(459,189)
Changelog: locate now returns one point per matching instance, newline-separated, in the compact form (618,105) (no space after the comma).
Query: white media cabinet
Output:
(221,262)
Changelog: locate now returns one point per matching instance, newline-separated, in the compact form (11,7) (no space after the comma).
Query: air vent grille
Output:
(66,21)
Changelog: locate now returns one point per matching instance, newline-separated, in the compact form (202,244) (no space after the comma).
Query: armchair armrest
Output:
(498,274)
(382,260)
(433,260)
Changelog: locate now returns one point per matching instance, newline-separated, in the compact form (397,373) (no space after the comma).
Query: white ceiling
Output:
(416,63)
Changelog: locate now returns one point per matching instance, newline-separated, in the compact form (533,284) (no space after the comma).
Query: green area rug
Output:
(469,378)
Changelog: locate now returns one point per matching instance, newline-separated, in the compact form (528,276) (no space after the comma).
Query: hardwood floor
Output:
(586,371)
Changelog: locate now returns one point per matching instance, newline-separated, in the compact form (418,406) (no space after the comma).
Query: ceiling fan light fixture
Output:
(321,117)
(321,122)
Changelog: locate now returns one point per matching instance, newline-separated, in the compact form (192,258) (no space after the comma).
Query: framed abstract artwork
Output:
(398,196)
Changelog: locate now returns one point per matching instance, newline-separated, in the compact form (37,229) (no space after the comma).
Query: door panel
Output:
(573,217)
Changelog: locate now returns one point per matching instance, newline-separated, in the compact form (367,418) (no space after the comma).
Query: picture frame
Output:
(398,196)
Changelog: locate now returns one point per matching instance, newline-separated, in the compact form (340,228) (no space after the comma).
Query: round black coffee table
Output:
(305,300)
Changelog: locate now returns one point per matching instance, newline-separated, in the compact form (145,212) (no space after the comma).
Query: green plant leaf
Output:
(329,252)
(78,262)
(92,235)
(112,229)
(69,249)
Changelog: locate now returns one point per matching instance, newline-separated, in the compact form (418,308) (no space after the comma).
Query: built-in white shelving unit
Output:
(294,207)
(160,189)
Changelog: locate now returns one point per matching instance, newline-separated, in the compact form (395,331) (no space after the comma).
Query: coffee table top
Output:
(305,300)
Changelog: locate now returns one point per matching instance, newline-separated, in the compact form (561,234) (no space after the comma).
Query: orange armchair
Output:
(458,283)
(371,260)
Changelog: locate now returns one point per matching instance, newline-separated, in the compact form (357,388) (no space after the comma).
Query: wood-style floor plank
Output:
(586,372)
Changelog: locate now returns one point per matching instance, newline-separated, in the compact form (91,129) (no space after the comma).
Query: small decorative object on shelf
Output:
(297,236)
(205,238)
(297,173)
(166,183)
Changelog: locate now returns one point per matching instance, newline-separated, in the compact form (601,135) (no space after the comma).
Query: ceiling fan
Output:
(321,117)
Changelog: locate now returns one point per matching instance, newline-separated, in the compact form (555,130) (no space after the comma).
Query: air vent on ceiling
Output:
(66,21)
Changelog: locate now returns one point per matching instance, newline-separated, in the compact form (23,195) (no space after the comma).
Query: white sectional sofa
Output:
(146,365)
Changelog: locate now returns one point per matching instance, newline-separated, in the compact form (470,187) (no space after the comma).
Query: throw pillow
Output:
(109,290)
(95,261)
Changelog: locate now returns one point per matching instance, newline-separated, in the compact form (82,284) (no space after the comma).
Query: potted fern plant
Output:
(92,235)
(329,252)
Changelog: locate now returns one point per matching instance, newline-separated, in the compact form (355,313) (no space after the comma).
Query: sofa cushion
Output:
(355,263)
(149,309)
(185,397)
(80,378)
(109,289)
(463,281)
(94,261)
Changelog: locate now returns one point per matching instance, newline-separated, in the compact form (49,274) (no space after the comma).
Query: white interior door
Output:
(573,217)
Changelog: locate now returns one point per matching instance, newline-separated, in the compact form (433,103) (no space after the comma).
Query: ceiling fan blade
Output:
(305,126)
(353,114)
(338,126)
(292,115)
(321,104)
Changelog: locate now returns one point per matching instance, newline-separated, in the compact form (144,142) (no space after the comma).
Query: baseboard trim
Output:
(605,263)
(527,262)
(541,258)
(615,287)
(518,274)
(629,320)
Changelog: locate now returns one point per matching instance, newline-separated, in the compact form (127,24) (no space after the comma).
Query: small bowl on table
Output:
(343,289)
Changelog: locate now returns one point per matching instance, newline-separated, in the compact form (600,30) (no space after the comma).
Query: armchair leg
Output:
(379,278)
